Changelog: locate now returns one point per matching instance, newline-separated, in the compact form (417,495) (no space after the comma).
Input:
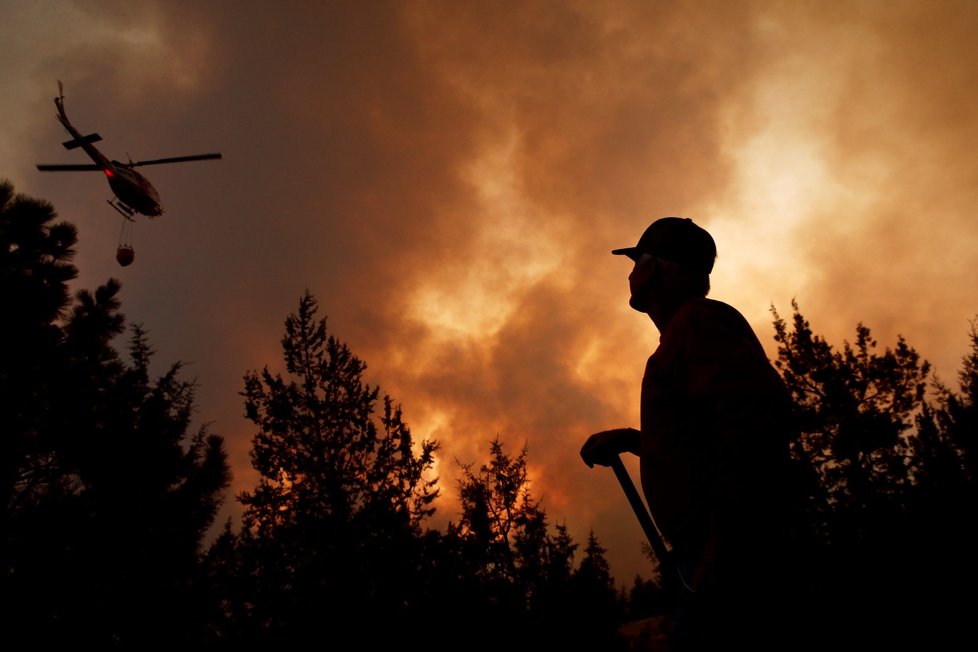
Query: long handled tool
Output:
(648,525)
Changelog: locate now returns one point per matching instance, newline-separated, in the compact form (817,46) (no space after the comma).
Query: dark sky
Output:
(448,178)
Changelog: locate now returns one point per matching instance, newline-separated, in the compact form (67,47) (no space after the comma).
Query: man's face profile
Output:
(640,282)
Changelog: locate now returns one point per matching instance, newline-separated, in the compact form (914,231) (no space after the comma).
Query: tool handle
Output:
(645,519)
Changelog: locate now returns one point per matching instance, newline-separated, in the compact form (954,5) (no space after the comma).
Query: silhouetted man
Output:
(713,448)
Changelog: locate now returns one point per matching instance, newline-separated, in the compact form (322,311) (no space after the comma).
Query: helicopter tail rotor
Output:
(82,141)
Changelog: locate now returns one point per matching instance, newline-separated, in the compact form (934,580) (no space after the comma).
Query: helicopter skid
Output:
(124,210)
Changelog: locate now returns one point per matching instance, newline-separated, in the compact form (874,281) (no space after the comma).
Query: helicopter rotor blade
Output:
(176,159)
(83,167)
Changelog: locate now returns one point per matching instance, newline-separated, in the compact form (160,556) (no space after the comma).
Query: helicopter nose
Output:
(157,205)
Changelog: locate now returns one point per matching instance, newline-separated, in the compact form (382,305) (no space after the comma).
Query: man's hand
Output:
(602,448)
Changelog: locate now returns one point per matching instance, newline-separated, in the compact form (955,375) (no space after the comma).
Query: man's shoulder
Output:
(705,311)
(708,324)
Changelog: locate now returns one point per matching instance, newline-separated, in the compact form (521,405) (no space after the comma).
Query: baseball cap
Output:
(677,239)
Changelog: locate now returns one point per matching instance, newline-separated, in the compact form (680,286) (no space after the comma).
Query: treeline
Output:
(888,454)
(109,494)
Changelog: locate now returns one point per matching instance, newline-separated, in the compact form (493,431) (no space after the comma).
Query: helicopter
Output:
(133,193)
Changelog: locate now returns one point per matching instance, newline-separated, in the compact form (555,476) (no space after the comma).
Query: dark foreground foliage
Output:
(334,539)
(109,493)
(888,452)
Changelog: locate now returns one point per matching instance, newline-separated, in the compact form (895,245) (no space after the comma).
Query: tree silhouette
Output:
(332,533)
(107,495)
(892,492)
(857,410)
(957,418)
(496,508)
(35,264)
(593,600)
(515,570)
(941,510)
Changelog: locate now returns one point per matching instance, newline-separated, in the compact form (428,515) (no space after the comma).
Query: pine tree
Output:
(858,410)
(500,526)
(35,269)
(594,599)
(958,415)
(941,511)
(516,570)
(333,530)
(107,496)
(891,478)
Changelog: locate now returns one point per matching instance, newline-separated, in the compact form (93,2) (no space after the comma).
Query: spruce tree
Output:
(889,491)
(332,533)
(107,493)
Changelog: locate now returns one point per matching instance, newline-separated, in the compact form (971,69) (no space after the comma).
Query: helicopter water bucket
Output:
(125,254)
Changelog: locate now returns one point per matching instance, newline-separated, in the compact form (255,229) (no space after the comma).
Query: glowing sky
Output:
(448,179)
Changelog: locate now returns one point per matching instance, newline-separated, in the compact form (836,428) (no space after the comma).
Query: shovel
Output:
(666,562)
